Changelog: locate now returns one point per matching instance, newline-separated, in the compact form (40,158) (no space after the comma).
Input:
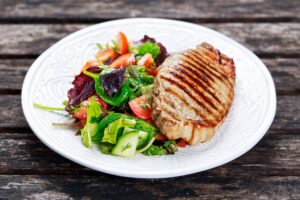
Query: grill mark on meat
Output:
(170,116)
(183,100)
(208,61)
(200,73)
(201,64)
(201,59)
(218,57)
(188,61)
(167,119)
(168,104)
(209,70)
(210,51)
(206,87)
(206,123)
(203,112)
(195,88)
(204,66)
(196,70)
(201,68)
(187,92)
(194,91)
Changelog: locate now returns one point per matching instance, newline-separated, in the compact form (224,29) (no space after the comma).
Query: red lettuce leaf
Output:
(83,87)
(113,81)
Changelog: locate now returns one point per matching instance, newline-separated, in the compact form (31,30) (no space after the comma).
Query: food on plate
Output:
(192,94)
(133,97)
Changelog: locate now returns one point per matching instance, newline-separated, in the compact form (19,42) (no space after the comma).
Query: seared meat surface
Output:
(193,92)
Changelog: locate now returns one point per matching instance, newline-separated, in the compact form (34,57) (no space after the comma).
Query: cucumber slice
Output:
(142,137)
(128,130)
(129,122)
(126,145)
(147,146)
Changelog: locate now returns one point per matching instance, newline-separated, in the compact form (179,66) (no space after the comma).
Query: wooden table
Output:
(271,170)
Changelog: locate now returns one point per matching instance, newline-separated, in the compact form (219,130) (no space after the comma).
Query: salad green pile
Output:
(111,99)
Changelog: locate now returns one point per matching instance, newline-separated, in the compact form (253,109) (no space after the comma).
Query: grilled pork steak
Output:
(193,92)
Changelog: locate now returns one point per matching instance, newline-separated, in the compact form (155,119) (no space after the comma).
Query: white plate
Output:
(49,77)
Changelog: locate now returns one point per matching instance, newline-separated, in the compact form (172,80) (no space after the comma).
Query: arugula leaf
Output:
(149,47)
(90,129)
(40,106)
(99,45)
(137,79)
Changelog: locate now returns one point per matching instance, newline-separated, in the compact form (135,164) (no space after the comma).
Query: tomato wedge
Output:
(106,55)
(122,43)
(161,137)
(100,101)
(146,60)
(123,60)
(153,72)
(90,63)
(141,107)
(81,112)
(182,143)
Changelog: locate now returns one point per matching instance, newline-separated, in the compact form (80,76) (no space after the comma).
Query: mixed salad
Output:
(110,100)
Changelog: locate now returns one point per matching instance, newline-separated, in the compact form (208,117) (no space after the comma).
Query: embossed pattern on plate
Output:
(250,117)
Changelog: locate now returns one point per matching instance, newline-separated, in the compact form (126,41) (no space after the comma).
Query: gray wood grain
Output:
(265,39)
(285,72)
(271,170)
(12,73)
(110,187)
(275,155)
(93,10)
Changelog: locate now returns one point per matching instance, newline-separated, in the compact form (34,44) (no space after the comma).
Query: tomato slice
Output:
(122,43)
(153,72)
(146,60)
(161,137)
(141,107)
(123,60)
(81,112)
(90,63)
(100,101)
(182,143)
(106,55)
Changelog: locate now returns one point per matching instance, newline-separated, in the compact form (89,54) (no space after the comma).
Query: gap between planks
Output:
(33,20)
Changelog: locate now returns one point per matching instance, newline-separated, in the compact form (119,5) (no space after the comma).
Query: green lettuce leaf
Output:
(90,129)
(111,132)
(149,47)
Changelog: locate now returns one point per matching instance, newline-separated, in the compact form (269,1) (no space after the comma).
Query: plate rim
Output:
(271,111)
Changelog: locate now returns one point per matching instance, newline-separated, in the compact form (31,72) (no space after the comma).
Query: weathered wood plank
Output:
(287,116)
(265,39)
(275,155)
(12,114)
(12,73)
(188,9)
(286,74)
(109,187)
